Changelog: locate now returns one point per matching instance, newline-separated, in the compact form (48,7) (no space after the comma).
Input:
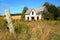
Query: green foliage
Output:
(46,4)
(58,18)
(23,12)
(52,9)
(48,16)
(24,9)
(58,13)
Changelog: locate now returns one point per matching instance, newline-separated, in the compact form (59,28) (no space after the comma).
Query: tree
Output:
(52,9)
(24,11)
(48,16)
(58,13)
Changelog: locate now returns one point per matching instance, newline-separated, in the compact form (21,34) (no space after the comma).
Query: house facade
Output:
(34,14)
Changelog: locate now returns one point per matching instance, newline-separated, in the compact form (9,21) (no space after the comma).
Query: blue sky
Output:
(16,6)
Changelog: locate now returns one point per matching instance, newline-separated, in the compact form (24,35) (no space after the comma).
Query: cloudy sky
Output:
(16,6)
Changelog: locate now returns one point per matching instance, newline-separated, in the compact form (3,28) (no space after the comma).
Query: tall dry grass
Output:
(31,30)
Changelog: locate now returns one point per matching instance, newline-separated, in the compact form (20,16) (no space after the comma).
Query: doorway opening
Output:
(32,18)
(37,18)
(27,18)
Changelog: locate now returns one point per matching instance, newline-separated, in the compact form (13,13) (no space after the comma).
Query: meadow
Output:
(31,30)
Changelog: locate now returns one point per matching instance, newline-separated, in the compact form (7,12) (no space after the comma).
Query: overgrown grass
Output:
(3,24)
(55,36)
(31,30)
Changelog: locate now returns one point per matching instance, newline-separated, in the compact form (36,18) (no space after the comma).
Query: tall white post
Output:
(8,17)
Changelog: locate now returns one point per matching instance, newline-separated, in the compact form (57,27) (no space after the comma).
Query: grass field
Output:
(31,30)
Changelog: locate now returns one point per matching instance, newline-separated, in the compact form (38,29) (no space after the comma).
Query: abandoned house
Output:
(35,13)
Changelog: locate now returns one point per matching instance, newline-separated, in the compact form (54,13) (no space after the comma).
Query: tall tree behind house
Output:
(24,11)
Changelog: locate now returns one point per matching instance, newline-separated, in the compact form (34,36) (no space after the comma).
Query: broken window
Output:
(32,13)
